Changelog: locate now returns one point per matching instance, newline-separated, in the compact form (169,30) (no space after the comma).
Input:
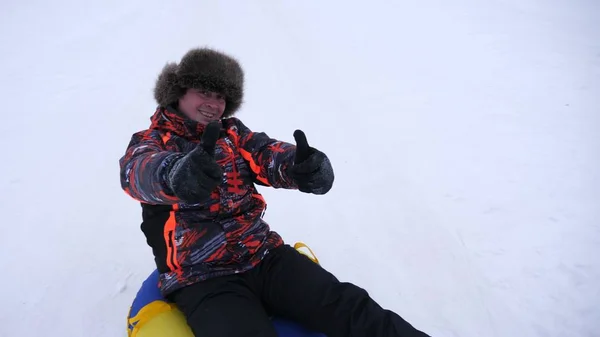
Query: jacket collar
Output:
(170,119)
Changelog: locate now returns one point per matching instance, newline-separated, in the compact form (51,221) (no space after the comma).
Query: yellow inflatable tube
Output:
(151,315)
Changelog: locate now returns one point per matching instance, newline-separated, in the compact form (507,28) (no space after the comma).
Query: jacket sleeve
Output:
(268,158)
(144,169)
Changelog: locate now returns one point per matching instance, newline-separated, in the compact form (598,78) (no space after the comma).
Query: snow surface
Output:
(464,137)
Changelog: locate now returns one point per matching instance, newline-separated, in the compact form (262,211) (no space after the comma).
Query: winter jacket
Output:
(223,234)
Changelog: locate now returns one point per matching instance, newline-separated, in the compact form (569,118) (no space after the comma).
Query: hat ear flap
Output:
(167,89)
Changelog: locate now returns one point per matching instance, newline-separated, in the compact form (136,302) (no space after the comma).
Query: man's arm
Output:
(269,158)
(144,169)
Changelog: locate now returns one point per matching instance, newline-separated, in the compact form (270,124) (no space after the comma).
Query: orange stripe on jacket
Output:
(166,137)
(248,156)
(255,168)
(169,236)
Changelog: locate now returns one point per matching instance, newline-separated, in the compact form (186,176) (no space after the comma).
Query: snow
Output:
(464,136)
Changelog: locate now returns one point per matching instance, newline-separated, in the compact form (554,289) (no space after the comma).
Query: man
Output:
(194,172)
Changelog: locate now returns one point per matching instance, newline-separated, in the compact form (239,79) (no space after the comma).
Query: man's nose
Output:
(214,100)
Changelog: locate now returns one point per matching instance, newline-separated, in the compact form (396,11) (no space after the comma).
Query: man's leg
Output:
(224,307)
(296,288)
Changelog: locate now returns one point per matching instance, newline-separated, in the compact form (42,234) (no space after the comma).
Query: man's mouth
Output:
(206,114)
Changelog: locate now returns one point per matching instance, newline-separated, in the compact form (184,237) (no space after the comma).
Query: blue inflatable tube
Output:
(151,315)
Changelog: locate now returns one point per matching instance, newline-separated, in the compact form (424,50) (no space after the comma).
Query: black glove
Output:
(312,169)
(194,176)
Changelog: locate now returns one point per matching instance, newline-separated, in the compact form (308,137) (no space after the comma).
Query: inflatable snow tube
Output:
(151,315)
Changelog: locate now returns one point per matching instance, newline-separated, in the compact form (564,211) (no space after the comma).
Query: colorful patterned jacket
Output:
(223,234)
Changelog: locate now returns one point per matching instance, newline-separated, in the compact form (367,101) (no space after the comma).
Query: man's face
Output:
(202,106)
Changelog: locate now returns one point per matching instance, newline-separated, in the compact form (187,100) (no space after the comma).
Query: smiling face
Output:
(202,106)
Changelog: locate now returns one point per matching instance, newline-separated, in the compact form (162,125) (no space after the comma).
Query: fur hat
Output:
(202,68)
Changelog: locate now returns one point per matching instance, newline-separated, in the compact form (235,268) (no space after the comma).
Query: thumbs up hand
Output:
(194,176)
(311,170)
(210,137)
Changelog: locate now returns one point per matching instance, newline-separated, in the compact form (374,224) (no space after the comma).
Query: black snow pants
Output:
(288,285)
